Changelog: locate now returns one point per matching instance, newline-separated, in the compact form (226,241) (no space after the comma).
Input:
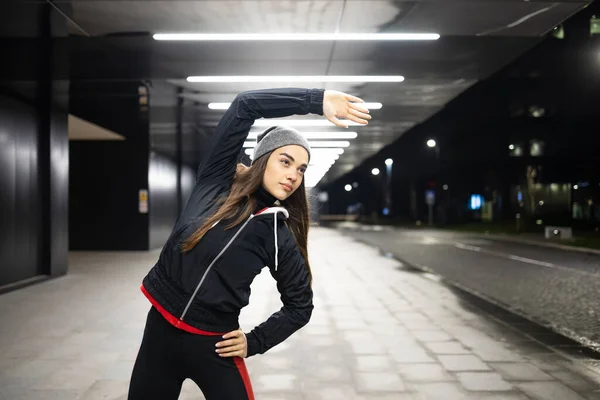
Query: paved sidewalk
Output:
(379,331)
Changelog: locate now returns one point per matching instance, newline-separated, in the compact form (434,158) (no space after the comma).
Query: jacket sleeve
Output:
(235,124)
(293,283)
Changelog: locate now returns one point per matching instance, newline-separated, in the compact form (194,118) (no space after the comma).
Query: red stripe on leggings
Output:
(245,376)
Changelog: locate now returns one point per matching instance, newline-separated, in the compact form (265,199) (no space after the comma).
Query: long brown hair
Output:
(245,183)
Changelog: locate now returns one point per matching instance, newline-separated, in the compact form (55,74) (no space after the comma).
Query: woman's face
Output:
(285,170)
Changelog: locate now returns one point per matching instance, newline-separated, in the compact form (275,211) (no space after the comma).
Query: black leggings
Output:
(169,355)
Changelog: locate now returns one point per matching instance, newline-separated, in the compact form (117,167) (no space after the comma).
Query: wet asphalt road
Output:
(554,287)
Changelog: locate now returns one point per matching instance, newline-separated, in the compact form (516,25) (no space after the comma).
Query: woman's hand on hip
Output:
(236,345)
(341,105)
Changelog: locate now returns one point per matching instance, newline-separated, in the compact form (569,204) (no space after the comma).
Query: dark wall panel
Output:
(33,145)
(106,176)
(20,206)
(105,179)
(58,203)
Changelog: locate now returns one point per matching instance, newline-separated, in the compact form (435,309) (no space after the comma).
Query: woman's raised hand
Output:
(341,105)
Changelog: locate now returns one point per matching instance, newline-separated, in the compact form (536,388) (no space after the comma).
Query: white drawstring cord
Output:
(276,246)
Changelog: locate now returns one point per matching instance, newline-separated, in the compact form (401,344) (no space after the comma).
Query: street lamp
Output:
(388,186)
(348,188)
(375,171)
(430,194)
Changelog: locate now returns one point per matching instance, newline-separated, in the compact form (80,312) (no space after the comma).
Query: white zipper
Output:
(211,265)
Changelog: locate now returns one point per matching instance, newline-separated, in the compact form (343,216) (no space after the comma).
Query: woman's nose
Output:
(293,177)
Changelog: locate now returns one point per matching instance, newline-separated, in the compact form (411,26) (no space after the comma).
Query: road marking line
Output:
(522,259)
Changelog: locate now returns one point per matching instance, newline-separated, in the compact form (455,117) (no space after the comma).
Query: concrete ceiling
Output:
(477,38)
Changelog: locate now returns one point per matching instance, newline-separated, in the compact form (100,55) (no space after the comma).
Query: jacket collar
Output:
(264,198)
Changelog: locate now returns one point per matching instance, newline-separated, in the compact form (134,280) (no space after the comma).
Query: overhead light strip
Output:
(318,144)
(316,135)
(273,36)
(298,78)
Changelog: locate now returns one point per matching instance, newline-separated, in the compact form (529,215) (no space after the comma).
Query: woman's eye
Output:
(285,161)
(302,170)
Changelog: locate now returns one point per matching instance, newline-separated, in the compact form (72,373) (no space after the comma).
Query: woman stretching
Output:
(237,220)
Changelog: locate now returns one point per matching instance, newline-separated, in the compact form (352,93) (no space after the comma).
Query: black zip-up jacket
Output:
(203,290)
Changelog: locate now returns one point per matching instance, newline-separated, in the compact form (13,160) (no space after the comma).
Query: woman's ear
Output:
(241,168)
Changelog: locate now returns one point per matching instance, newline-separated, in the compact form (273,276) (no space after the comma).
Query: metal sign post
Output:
(430,200)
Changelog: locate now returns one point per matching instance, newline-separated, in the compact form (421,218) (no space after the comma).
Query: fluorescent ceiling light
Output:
(292,78)
(312,181)
(294,36)
(329,143)
(225,106)
(322,143)
(323,161)
(316,158)
(330,151)
(219,106)
(371,106)
(317,171)
(313,178)
(300,122)
(314,175)
(317,135)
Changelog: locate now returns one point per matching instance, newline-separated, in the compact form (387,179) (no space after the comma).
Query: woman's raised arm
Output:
(234,126)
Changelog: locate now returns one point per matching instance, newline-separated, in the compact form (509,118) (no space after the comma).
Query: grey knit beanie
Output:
(278,136)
